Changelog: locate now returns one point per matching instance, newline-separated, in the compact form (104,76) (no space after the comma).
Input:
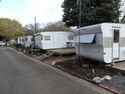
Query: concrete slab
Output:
(120,65)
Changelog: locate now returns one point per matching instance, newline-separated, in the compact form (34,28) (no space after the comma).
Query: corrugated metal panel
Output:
(85,38)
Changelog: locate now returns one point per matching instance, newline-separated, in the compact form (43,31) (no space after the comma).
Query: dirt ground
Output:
(79,66)
(88,69)
(54,59)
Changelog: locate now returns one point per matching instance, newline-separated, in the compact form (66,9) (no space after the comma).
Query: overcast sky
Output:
(25,10)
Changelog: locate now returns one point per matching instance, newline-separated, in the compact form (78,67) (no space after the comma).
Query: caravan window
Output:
(47,38)
(70,37)
(33,39)
(21,40)
(88,38)
(41,37)
(38,37)
(116,35)
(26,39)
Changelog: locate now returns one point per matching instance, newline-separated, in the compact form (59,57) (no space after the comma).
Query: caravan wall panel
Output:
(54,40)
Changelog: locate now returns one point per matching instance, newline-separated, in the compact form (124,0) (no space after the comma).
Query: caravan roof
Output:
(98,28)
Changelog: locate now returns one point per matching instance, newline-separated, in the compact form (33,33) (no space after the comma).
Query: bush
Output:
(19,47)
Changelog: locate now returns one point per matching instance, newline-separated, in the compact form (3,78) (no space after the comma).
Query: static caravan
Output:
(53,40)
(28,40)
(20,40)
(12,41)
(103,42)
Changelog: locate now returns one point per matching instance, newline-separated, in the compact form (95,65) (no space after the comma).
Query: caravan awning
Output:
(88,38)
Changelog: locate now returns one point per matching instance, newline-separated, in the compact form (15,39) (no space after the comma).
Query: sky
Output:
(25,10)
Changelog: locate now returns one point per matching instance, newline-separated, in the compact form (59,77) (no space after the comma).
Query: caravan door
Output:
(116,47)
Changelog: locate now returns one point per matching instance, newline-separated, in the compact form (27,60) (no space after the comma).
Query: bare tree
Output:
(31,28)
(56,26)
(122,9)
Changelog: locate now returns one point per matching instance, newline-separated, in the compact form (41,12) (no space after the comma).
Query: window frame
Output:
(47,38)
(116,35)
(70,38)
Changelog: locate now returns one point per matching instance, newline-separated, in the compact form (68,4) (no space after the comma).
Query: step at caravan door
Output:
(116,38)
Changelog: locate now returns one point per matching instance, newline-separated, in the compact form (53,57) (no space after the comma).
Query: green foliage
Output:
(19,47)
(92,12)
(10,28)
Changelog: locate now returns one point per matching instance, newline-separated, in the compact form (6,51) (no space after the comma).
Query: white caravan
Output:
(53,40)
(103,42)
(28,40)
(12,41)
(20,40)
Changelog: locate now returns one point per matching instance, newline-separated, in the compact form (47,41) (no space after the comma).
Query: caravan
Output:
(28,40)
(103,42)
(20,40)
(53,40)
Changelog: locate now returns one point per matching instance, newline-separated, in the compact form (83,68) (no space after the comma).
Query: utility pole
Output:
(35,29)
(79,4)
(35,25)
